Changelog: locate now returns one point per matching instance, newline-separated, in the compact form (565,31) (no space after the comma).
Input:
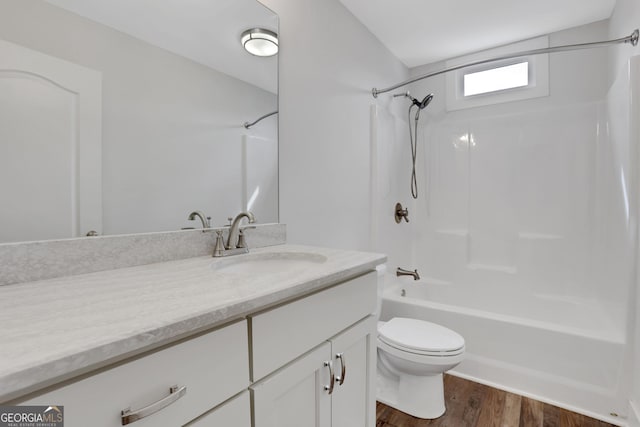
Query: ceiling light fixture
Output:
(260,42)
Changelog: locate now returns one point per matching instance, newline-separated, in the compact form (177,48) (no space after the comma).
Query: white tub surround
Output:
(60,328)
(29,261)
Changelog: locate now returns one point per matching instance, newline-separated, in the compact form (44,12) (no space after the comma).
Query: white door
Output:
(295,396)
(50,147)
(354,359)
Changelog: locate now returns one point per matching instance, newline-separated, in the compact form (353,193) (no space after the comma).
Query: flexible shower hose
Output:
(413,139)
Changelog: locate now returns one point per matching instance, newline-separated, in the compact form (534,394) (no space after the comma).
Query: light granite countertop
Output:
(55,329)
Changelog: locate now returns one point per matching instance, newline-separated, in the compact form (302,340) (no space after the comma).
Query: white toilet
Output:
(412,356)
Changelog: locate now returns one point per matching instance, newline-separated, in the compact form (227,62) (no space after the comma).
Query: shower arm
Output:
(247,125)
(633,39)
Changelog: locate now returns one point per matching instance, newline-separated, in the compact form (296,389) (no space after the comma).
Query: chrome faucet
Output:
(236,243)
(205,219)
(234,230)
(403,272)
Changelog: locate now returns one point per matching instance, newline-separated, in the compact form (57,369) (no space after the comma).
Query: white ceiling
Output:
(205,31)
(420,32)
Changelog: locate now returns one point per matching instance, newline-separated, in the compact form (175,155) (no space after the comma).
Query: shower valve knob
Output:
(401,213)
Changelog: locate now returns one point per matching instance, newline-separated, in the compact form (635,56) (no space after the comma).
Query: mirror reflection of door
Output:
(50,128)
(176,90)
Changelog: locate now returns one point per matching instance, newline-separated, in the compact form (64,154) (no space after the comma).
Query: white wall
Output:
(172,128)
(626,18)
(328,64)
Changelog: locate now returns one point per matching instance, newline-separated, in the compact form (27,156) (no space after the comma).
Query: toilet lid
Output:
(419,335)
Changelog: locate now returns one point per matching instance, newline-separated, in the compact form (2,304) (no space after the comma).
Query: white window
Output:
(499,81)
(495,79)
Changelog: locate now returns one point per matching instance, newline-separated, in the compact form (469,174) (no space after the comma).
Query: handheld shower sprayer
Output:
(413,134)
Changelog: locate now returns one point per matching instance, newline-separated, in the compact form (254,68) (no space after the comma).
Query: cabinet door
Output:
(295,395)
(354,362)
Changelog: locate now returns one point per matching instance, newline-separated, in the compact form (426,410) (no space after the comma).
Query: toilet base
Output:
(419,396)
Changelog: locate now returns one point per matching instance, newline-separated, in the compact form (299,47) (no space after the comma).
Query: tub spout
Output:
(403,272)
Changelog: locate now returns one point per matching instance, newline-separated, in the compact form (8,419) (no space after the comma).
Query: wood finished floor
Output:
(470,404)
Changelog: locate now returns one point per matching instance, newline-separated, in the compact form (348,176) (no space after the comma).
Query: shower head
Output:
(425,101)
(420,104)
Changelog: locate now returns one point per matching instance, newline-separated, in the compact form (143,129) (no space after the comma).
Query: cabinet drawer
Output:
(234,413)
(284,333)
(213,367)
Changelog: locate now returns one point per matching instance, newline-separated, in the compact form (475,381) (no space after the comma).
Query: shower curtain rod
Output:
(633,39)
(247,125)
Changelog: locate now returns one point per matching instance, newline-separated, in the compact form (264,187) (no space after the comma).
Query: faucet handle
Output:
(218,250)
(401,213)
(242,242)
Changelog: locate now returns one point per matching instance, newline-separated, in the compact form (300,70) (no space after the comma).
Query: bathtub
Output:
(539,346)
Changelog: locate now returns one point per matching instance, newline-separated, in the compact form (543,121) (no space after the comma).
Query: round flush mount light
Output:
(260,42)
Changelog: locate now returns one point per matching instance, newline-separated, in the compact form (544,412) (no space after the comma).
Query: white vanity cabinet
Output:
(307,362)
(331,385)
(210,369)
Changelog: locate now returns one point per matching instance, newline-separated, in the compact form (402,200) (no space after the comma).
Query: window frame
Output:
(538,69)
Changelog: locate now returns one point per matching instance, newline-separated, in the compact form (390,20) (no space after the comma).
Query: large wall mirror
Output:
(124,116)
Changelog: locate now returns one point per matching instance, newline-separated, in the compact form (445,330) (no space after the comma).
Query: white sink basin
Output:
(268,263)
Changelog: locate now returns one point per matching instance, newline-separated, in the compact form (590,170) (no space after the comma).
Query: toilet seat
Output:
(420,337)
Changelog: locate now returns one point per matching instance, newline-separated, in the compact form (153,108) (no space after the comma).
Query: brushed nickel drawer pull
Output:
(343,368)
(175,393)
(332,377)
